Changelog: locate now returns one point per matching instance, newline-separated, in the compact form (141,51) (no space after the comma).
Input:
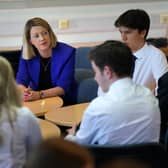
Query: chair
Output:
(87,86)
(82,60)
(152,154)
(87,90)
(82,74)
(13,57)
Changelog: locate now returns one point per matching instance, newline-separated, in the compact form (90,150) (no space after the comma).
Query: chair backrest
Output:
(13,57)
(82,60)
(87,90)
(152,154)
(87,86)
(82,74)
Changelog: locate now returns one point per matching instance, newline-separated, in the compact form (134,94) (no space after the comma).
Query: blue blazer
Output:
(62,70)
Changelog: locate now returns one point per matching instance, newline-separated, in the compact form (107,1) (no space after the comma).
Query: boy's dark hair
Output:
(135,19)
(114,54)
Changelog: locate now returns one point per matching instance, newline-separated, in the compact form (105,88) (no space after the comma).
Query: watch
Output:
(42,95)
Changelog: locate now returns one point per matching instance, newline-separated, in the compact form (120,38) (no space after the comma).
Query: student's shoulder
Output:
(155,51)
(25,114)
(99,106)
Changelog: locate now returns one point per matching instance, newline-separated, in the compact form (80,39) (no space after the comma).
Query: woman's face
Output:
(39,38)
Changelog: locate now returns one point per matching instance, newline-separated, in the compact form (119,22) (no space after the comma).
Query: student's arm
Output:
(87,129)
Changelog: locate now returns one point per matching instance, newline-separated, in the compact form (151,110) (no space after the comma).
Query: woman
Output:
(46,66)
(16,139)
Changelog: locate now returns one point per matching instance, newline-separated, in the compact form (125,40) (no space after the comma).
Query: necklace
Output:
(45,63)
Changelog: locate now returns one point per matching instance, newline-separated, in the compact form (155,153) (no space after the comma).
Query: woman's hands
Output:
(30,95)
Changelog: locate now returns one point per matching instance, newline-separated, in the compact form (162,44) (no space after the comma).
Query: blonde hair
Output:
(10,97)
(28,49)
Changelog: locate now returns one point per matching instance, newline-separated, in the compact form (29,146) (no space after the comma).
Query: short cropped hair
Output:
(135,19)
(114,54)
(28,49)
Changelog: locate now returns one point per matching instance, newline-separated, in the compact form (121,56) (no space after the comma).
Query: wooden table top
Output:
(49,129)
(68,115)
(41,106)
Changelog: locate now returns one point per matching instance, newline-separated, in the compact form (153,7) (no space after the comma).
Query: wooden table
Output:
(48,129)
(67,116)
(41,106)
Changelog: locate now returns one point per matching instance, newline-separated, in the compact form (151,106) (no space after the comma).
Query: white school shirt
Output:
(150,65)
(26,135)
(126,114)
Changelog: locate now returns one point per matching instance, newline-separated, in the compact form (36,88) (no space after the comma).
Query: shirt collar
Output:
(119,84)
(138,54)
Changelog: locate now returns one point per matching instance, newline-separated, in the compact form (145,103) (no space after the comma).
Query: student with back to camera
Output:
(126,113)
(19,129)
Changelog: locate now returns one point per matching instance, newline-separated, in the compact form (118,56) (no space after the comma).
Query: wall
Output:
(88,23)
(17,4)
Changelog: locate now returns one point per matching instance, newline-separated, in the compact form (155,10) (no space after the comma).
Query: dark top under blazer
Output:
(62,70)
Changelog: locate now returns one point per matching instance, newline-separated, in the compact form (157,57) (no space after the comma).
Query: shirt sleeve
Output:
(87,133)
